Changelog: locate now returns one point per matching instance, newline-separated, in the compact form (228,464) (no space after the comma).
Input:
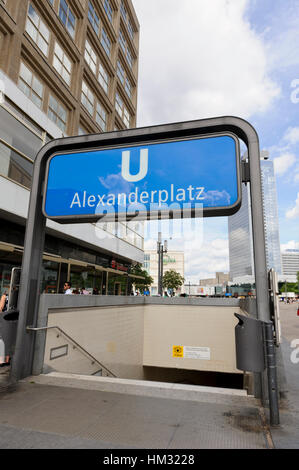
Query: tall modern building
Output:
(67,67)
(240,230)
(290,265)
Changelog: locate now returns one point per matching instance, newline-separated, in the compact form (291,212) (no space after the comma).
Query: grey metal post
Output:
(159,267)
(258,233)
(30,279)
(272,373)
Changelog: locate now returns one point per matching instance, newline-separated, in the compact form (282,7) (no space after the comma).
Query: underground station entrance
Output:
(175,171)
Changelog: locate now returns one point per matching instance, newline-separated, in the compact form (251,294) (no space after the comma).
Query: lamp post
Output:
(161,249)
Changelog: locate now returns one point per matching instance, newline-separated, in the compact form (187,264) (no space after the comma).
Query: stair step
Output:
(147,388)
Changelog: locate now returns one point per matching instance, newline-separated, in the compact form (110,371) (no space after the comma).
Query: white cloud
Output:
(292,135)
(294,212)
(200,59)
(203,262)
(291,245)
(283,163)
(203,255)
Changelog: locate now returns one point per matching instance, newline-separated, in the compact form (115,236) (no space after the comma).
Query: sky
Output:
(208,58)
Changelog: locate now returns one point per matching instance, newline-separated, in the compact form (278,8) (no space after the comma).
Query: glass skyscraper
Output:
(240,231)
(270,215)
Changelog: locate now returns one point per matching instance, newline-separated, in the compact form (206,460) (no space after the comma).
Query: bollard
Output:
(271,373)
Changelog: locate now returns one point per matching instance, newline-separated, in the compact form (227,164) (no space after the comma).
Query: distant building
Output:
(270,215)
(290,265)
(199,291)
(241,259)
(220,279)
(171,260)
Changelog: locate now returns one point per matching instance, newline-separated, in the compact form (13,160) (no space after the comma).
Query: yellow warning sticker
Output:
(177,351)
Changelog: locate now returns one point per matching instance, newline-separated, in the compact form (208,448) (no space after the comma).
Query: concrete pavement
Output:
(40,415)
(72,412)
(286,436)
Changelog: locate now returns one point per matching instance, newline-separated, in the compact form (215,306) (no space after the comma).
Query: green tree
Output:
(287,287)
(144,281)
(172,280)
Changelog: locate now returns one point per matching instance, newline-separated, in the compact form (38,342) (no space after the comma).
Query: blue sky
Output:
(226,57)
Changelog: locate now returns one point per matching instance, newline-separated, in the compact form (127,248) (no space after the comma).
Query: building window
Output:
(101,117)
(126,118)
(128,88)
(87,98)
(106,42)
(122,41)
(37,30)
(122,110)
(90,57)
(125,48)
(108,9)
(131,30)
(93,18)
(124,79)
(120,72)
(57,113)
(119,105)
(103,78)
(129,58)
(82,130)
(62,63)
(67,17)
(123,11)
(31,86)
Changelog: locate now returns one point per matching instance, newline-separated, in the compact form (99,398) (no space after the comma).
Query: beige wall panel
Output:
(113,335)
(197,326)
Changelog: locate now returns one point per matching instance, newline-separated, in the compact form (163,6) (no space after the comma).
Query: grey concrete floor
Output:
(286,436)
(47,416)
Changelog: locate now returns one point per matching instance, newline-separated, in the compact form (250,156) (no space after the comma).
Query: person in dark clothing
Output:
(4,359)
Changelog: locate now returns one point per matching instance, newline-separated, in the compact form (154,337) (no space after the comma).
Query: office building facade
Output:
(67,67)
(221,279)
(240,229)
(290,265)
(171,260)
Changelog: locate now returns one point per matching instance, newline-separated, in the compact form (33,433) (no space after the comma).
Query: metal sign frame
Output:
(28,303)
(143,215)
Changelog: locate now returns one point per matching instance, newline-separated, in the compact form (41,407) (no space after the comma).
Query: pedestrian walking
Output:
(67,288)
(4,358)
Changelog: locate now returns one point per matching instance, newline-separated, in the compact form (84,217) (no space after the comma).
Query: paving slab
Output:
(39,415)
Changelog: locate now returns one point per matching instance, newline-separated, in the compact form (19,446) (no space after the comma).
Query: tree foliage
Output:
(144,283)
(287,287)
(172,279)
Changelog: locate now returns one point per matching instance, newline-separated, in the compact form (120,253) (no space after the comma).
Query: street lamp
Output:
(161,249)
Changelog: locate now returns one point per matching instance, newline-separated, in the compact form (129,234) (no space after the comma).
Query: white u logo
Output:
(125,166)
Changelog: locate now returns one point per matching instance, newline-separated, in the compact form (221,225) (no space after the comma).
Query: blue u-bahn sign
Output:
(198,175)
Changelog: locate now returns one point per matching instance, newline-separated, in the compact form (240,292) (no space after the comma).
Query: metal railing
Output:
(77,345)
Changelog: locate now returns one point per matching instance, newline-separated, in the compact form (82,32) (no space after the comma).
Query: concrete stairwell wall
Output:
(127,333)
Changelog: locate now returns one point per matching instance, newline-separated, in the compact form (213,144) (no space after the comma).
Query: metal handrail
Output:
(30,328)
